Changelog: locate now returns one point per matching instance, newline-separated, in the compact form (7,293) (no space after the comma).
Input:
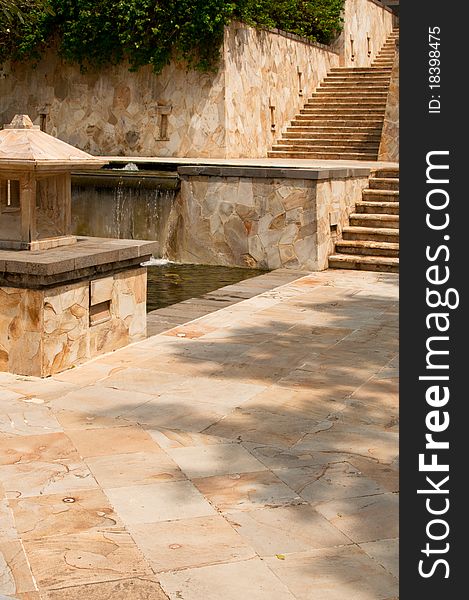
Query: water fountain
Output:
(124,202)
(63,298)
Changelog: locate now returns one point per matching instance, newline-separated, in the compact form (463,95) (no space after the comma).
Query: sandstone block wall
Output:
(389,145)
(260,222)
(177,113)
(115,112)
(46,331)
(363,19)
(183,113)
(268,78)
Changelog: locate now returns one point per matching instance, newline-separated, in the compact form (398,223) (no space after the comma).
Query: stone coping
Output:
(159,162)
(254,167)
(142,179)
(24,268)
(273,172)
(381,5)
(292,36)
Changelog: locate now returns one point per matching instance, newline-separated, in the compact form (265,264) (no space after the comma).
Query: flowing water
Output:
(125,205)
(132,204)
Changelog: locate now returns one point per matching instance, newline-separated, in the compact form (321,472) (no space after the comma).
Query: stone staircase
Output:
(371,240)
(344,118)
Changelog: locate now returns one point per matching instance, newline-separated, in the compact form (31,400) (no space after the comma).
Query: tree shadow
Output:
(304,381)
(310,392)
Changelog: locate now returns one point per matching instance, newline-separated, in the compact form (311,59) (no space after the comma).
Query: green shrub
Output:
(98,32)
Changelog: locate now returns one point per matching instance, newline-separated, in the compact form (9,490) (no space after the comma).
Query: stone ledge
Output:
(381,5)
(287,34)
(273,172)
(140,179)
(88,257)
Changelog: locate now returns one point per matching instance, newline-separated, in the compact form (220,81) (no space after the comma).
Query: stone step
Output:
(338,122)
(322,146)
(374,220)
(383,208)
(371,195)
(383,183)
(354,98)
(339,102)
(349,94)
(371,234)
(345,111)
(363,128)
(358,74)
(324,133)
(362,79)
(363,83)
(337,117)
(323,155)
(384,264)
(367,248)
(327,90)
(326,141)
(387,172)
(358,70)
(354,103)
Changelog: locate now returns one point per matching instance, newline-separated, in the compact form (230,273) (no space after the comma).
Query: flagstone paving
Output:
(251,453)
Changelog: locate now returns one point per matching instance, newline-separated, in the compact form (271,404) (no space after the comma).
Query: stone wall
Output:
(268,78)
(261,221)
(46,331)
(389,146)
(178,112)
(363,19)
(116,112)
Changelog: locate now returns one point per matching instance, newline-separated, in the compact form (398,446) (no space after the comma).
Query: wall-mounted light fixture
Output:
(300,82)
(162,112)
(272,114)
(43,112)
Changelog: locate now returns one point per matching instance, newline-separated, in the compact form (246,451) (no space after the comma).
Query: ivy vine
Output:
(93,33)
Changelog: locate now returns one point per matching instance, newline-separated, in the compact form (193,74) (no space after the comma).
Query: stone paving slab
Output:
(251,453)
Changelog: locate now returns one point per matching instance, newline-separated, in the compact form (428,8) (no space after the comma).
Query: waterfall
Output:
(121,205)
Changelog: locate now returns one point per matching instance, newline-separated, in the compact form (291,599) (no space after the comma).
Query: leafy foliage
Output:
(317,20)
(98,32)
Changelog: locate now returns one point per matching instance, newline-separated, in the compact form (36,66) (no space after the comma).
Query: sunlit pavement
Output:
(251,453)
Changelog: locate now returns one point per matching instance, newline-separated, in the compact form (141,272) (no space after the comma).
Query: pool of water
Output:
(169,283)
